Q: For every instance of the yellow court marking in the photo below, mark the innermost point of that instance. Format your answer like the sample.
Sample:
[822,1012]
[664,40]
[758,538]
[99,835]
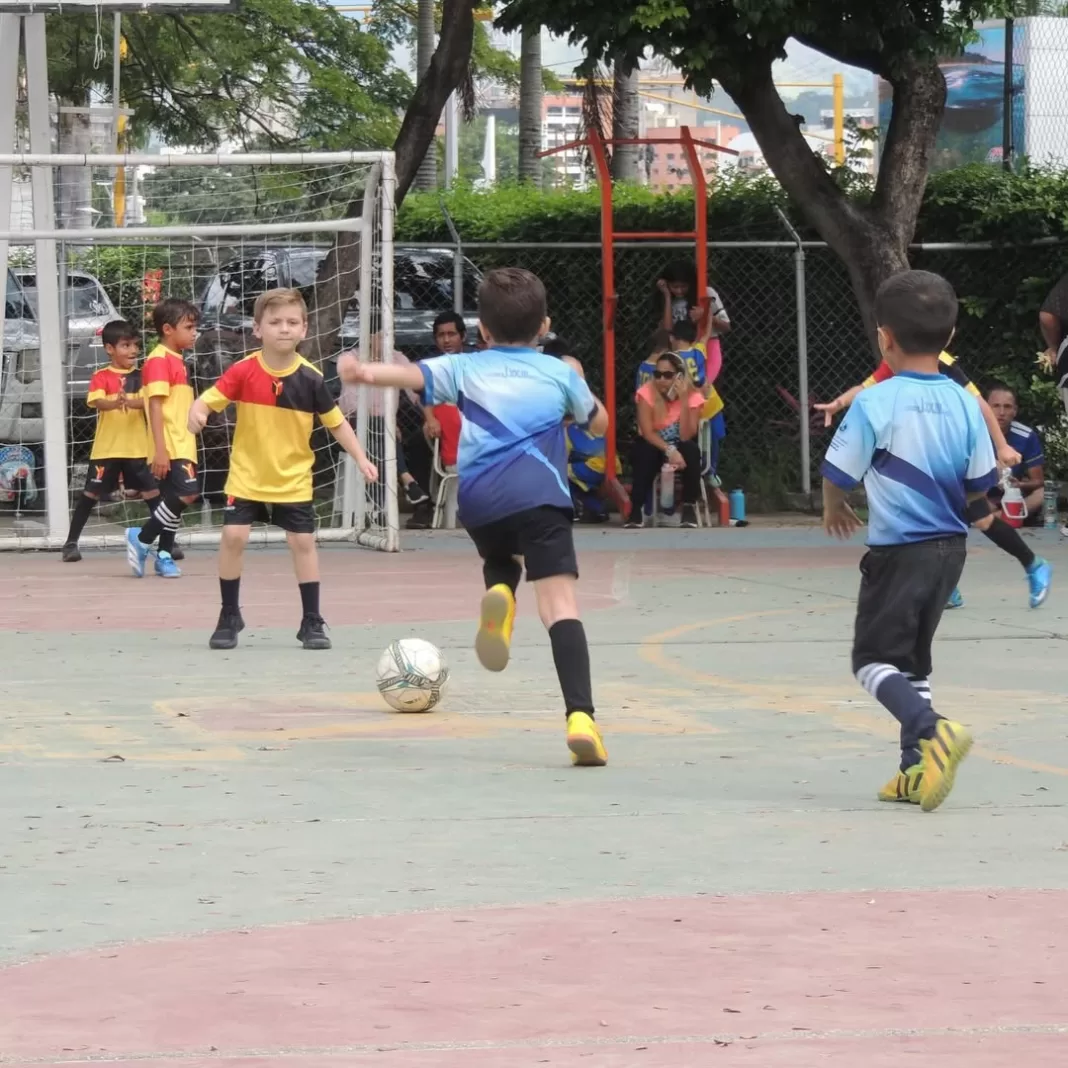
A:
[818,700]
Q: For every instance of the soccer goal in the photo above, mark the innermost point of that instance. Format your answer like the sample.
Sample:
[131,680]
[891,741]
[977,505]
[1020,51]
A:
[217,230]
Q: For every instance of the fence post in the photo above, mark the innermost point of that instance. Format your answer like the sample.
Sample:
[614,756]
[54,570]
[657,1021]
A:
[457,262]
[802,354]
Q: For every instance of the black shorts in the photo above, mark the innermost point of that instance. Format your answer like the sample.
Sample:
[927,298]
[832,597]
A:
[543,536]
[181,480]
[102,478]
[296,518]
[903,592]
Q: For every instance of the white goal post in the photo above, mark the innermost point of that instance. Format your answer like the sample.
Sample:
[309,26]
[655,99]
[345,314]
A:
[217,230]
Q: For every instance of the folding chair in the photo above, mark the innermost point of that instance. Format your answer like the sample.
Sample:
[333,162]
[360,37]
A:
[445,498]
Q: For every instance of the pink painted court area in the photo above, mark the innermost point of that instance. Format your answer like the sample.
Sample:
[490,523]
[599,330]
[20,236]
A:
[245,860]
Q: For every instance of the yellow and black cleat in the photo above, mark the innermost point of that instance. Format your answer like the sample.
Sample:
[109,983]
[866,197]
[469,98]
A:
[904,786]
[493,643]
[942,755]
[584,741]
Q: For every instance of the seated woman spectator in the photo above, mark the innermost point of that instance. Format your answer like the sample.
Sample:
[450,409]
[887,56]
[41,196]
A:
[669,412]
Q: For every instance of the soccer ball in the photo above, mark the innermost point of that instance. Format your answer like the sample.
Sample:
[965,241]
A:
[412,675]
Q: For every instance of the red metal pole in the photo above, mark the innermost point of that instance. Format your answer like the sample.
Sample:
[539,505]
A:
[608,283]
[700,202]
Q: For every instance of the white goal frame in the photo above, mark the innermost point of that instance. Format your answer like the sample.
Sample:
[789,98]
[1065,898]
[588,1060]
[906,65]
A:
[375,227]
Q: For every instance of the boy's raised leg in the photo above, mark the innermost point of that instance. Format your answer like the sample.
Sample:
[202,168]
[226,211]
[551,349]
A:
[231,552]
[496,617]
[312,632]
[558,609]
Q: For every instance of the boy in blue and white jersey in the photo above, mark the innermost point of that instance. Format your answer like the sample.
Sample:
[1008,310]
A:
[920,445]
[513,493]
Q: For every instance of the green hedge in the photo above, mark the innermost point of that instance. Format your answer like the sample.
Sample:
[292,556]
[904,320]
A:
[1000,289]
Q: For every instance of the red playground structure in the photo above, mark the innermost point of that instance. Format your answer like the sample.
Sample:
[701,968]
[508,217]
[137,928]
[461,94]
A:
[597,146]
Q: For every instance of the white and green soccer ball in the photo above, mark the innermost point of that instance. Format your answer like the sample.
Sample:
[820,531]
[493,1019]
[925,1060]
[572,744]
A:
[412,675]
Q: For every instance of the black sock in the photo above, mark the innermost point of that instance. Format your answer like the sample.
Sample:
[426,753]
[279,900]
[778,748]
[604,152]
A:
[166,515]
[230,589]
[895,692]
[82,511]
[309,598]
[1008,539]
[505,571]
[166,540]
[571,655]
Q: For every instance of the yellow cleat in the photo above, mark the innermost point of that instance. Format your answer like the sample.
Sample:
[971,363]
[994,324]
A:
[941,756]
[904,786]
[494,639]
[584,741]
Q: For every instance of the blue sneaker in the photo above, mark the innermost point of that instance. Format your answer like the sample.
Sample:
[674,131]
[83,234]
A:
[166,567]
[1039,576]
[954,600]
[136,552]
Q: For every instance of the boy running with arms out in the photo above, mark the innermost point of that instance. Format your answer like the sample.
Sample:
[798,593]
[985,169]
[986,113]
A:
[278,395]
[120,442]
[989,523]
[513,492]
[172,449]
[919,444]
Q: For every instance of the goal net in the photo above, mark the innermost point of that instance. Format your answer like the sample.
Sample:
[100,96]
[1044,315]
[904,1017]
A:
[216,230]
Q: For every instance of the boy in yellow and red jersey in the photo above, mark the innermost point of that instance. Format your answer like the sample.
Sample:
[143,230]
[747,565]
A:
[278,395]
[172,449]
[1039,572]
[120,443]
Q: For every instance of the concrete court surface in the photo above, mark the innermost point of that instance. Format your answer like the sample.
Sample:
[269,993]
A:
[244,860]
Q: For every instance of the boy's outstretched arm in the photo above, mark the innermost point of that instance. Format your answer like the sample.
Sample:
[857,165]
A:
[839,404]
[598,424]
[345,436]
[198,415]
[381,375]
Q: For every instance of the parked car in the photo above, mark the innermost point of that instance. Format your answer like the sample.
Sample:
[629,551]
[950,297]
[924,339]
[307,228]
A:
[20,371]
[423,288]
[89,308]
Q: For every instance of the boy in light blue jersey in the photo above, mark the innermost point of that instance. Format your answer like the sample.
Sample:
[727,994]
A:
[513,494]
[921,447]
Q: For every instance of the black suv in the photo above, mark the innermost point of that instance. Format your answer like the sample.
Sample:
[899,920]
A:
[422,289]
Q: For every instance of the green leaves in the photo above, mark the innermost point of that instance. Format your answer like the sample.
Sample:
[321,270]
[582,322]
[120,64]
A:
[280,72]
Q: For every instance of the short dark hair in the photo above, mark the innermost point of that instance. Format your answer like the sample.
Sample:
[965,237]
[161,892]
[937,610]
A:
[118,330]
[920,309]
[455,318]
[1000,387]
[512,305]
[171,311]
[684,330]
[659,342]
[555,345]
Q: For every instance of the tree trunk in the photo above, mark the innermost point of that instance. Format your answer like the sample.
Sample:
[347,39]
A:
[626,122]
[339,272]
[75,193]
[873,241]
[530,94]
[426,181]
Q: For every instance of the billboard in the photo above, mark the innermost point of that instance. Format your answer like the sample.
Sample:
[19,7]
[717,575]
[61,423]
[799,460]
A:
[972,126]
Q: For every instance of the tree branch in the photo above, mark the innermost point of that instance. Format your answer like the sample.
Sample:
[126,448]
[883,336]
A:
[919,103]
[791,159]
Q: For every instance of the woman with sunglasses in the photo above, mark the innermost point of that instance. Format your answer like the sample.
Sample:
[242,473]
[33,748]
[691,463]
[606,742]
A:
[669,411]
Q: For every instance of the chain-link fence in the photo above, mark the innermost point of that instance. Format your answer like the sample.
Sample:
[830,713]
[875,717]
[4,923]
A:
[1001,290]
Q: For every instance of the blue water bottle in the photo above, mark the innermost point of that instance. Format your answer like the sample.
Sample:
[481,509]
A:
[737,502]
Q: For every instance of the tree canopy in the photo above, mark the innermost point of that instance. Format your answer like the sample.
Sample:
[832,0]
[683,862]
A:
[735,42]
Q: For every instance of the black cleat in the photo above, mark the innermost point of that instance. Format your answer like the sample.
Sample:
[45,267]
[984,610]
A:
[230,625]
[689,517]
[312,633]
[71,554]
